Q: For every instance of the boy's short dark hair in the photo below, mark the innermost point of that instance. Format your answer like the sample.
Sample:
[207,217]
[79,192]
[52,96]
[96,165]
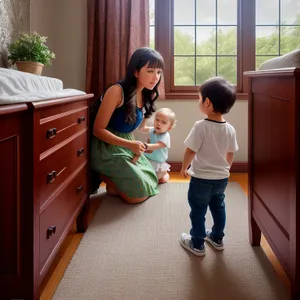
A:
[220,92]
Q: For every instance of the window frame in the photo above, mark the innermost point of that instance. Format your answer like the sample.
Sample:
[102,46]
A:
[164,43]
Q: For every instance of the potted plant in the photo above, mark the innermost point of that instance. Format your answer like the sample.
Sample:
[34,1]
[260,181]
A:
[30,53]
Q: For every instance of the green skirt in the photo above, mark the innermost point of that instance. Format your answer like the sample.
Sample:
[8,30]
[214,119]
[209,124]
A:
[135,180]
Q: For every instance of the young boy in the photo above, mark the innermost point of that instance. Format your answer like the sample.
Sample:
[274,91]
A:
[210,150]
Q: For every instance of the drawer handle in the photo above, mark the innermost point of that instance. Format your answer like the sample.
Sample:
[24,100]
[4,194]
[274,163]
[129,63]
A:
[51,176]
[80,120]
[51,133]
[79,189]
[50,231]
[80,151]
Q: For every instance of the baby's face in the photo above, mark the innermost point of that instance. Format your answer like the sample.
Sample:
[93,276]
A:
[162,123]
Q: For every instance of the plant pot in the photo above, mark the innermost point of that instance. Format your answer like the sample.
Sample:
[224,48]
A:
[30,67]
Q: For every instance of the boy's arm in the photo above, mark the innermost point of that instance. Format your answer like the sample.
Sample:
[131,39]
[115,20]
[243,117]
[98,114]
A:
[143,128]
[187,159]
[229,157]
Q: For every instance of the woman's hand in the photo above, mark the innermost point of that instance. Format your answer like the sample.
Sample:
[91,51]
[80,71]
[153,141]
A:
[137,147]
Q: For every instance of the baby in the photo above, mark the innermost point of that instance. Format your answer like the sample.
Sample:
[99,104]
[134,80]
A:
[159,142]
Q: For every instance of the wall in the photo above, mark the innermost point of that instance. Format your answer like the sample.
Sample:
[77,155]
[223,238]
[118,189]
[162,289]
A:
[42,19]
[14,19]
[70,42]
[64,23]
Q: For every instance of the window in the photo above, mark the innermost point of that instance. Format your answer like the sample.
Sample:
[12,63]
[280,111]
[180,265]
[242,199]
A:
[152,23]
[204,40]
[226,38]
[277,28]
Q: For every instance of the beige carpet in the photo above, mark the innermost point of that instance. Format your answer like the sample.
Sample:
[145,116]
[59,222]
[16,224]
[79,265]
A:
[132,252]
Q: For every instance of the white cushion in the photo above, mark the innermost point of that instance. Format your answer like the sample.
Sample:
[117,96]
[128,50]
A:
[289,60]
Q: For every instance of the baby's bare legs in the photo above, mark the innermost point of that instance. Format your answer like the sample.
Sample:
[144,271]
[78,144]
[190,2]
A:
[163,176]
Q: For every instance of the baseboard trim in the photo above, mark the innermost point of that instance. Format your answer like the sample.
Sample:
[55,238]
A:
[237,167]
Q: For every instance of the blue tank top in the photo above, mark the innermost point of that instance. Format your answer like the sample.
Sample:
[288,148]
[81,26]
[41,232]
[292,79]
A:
[117,120]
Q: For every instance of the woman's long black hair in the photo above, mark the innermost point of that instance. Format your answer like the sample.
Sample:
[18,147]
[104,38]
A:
[138,60]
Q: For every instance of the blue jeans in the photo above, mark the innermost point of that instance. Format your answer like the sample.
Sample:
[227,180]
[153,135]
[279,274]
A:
[204,193]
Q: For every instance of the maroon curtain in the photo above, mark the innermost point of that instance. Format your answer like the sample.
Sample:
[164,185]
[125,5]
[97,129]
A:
[115,29]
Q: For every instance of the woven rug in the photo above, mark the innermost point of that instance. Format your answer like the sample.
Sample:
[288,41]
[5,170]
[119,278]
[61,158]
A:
[132,252]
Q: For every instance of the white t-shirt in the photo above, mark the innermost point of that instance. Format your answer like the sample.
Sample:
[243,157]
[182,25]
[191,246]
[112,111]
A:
[211,141]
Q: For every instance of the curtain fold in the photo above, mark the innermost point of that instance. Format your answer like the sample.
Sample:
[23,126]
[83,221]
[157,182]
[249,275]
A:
[115,29]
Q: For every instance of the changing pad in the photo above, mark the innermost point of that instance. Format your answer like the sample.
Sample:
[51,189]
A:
[17,87]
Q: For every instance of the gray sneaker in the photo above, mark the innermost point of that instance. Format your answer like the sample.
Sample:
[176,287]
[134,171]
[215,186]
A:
[186,242]
[217,244]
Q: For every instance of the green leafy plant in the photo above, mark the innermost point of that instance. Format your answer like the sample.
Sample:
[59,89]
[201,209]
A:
[30,47]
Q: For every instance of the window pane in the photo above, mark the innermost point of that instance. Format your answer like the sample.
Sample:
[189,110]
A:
[267,12]
[206,12]
[206,40]
[184,40]
[261,59]
[152,37]
[290,12]
[184,12]
[152,12]
[205,68]
[227,68]
[267,40]
[289,38]
[184,71]
[227,12]
[227,40]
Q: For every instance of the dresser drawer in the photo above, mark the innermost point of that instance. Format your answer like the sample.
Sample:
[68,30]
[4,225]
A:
[57,216]
[56,128]
[55,168]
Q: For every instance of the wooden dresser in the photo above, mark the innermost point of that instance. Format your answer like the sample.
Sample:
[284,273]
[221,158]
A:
[274,166]
[44,186]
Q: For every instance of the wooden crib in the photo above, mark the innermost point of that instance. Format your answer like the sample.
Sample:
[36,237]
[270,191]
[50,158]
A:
[274,166]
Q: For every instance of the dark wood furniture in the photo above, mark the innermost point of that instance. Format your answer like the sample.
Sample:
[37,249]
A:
[44,186]
[274,166]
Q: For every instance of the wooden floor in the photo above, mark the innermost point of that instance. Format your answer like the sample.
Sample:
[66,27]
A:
[73,240]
